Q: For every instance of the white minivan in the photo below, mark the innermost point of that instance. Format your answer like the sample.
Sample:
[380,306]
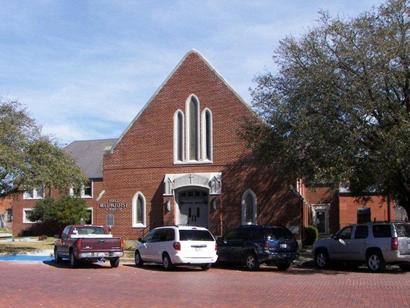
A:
[177,245]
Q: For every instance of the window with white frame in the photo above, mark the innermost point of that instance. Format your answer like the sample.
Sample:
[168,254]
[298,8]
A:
[27,216]
[138,211]
[206,120]
[86,191]
[193,133]
[249,208]
[35,193]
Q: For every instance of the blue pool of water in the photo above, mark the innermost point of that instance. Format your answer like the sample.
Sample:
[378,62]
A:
[26,258]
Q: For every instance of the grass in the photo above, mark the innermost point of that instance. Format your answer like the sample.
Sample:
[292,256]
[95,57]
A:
[4,230]
[18,247]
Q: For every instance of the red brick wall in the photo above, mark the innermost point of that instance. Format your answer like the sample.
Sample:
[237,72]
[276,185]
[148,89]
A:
[145,154]
[349,205]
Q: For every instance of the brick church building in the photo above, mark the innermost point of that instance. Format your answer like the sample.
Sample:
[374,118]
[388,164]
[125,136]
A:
[182,161]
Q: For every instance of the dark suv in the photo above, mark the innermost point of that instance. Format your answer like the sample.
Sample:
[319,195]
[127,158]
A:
[253,245]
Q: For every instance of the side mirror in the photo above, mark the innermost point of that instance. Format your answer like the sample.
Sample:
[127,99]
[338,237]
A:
[141,240]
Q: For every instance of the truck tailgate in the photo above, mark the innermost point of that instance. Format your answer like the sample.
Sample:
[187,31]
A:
[100,244]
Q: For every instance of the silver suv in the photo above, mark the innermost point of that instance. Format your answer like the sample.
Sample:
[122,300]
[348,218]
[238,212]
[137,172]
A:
[376,244]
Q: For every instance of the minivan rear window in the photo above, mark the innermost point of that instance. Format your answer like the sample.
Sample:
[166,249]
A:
[381,231]
[278,234]
[195,235]
[403,230]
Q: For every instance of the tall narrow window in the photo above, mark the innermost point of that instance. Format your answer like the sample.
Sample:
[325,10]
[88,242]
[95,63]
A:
[206,126]
[193,129]
[178,136]
[138,210]
[249,208]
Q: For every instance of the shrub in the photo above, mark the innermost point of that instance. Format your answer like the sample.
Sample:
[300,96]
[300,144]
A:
[311,235]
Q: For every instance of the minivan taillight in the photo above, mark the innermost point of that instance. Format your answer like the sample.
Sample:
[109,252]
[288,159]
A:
[394,243]
[266,246]
[78,244]
[177,245]
[216,247]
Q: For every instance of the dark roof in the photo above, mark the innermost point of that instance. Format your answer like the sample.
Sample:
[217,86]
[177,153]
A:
[88,154]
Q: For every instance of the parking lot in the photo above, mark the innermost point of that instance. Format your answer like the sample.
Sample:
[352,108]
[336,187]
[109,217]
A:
[45,284]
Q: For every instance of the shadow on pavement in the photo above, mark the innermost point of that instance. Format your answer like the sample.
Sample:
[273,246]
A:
[66,264]
[159,268]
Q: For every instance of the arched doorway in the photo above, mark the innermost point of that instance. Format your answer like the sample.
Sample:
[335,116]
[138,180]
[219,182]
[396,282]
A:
[193,207]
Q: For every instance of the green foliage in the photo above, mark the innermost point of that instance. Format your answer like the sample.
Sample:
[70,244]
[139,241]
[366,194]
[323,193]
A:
[28,159]
[61,212]
[311,235]
[338,108]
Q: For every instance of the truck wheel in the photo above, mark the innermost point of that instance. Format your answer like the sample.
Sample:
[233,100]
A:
[138,260]
[73,260]
[57,258]
[166,262]
[283,266]
[375,261]
[115,262]
[251,262]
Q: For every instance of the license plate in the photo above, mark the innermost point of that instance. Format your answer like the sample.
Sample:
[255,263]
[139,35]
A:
[283,246]
[199,249]
[101,254]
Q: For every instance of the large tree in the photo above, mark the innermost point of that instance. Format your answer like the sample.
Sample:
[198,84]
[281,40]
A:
[337,106]
[28,159]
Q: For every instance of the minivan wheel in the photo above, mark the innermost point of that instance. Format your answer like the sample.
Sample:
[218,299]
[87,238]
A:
[251,262]
[166,262]
[206,267]
[321,259]
[375,262]
[138,259]
[283,266]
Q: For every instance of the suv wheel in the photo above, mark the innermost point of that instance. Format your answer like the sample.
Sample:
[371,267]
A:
[251,262]
[138,259]
[375,261]
[166,262]
[321,259]
[283,266]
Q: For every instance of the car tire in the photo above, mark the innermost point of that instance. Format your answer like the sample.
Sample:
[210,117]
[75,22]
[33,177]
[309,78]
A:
[206,267]
[283,266]
[73,260]
[57,258]
[115,262]
[322,260]
[166,262]
[375,261]
[138,260]
[251,262]
[405,267]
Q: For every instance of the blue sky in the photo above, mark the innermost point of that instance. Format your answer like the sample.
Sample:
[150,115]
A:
[84,69]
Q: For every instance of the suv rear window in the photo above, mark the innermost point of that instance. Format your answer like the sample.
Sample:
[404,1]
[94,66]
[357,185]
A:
[381,231]
[403,230]
[278,233]
[195,235]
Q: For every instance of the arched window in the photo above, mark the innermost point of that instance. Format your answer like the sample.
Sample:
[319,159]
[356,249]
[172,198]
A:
[193,128]
[138,211]
[178,136]
[249,208]
[206,121]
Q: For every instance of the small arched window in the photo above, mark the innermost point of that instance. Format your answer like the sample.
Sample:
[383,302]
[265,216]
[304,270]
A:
[193,128]
[206,121]
[138,211]
[249,208]
[178,136]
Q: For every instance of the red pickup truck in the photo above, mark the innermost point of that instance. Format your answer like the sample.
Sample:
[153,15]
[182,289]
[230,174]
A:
[90,243]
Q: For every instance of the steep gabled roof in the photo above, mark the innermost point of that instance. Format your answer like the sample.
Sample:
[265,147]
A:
[210,66]
[88,155]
